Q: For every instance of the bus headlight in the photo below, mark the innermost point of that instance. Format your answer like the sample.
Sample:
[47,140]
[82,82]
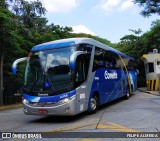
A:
[65,100]
[25,101]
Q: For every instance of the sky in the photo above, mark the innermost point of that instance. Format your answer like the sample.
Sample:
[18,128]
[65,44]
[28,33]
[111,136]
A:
[109,19]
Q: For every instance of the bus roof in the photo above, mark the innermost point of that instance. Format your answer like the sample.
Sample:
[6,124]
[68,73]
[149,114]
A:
[72,42]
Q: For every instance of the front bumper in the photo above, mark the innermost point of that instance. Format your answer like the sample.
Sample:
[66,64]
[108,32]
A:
[65,109]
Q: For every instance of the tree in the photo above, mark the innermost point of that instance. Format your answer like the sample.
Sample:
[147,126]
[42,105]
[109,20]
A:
[14,27]
[128,43]
[8,35]
[29,13]
[102,40]
[3,20]
[22,26]
[135,45]
[151,39]
[150,7]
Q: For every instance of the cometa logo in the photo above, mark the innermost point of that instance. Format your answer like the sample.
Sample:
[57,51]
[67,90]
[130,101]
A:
[112,75]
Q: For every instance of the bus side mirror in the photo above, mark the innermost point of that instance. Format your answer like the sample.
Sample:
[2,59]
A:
[72,60]
[14,66]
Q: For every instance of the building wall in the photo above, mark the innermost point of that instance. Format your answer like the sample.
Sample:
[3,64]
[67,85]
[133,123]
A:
[152,78]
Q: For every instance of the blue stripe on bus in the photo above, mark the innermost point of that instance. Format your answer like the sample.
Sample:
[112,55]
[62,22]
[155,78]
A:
[109,89]
[133,79]
[55,98]
[52,45]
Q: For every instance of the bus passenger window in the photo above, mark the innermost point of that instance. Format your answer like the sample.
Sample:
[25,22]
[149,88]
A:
[85,47]
[110,60]
[131,64]
[98,59]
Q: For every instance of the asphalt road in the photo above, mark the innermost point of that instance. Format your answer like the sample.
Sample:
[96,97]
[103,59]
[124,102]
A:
[141,113]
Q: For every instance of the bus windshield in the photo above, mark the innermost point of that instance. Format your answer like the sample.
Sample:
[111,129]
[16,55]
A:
[49,71]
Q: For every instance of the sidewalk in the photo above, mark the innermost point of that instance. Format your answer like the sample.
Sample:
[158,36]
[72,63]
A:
[7,107]
[144,89]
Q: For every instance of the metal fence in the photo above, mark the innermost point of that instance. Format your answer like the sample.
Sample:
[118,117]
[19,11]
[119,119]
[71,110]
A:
[12,99]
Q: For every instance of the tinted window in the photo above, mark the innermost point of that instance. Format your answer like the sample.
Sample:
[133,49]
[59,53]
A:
[80,69]
[85,47]
[112,60]
[98,58]
[131,65]
[82,66]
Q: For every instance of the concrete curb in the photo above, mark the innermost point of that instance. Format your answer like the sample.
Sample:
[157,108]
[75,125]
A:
[148,92]
[7,107]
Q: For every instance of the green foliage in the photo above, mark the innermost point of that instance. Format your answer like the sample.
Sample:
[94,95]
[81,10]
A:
[20,29]
[150,7]
[135,45]
[102,40]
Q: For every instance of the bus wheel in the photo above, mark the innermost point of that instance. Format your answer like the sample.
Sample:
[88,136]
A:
[128,94]
[94,104]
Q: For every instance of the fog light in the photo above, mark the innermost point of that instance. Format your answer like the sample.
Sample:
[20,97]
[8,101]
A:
[25,110]
[67,109]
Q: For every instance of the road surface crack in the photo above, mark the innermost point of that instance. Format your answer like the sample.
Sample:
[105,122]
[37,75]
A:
[100,120]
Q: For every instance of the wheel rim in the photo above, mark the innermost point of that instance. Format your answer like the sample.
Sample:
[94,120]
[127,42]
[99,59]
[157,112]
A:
[93,104]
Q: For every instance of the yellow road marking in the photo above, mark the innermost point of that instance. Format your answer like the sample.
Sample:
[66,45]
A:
[81,125]
[110,126]
[122,129]
[73,126]
[88,140]
[115,126]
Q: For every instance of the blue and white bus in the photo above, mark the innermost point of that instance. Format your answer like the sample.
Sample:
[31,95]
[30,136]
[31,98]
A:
[70,76]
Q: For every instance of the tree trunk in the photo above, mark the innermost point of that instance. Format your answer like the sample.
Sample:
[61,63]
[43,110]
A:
[1,78]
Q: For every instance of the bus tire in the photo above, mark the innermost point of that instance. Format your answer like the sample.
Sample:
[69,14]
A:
[128,94]
[94,104]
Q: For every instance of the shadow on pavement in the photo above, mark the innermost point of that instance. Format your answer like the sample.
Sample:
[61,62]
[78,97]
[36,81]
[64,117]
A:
[66,119]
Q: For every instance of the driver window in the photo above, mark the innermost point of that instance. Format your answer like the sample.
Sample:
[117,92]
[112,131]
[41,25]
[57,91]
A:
[82,67]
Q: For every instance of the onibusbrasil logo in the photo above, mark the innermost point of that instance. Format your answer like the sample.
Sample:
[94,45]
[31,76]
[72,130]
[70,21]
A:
[112,75]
